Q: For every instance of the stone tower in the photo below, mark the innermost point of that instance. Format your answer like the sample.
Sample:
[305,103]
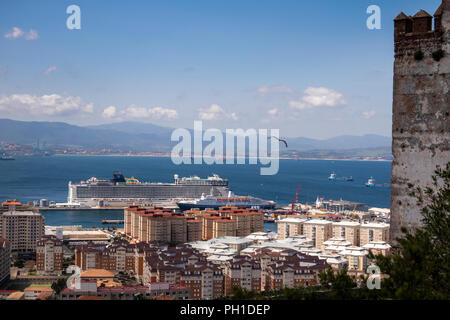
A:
[421,107]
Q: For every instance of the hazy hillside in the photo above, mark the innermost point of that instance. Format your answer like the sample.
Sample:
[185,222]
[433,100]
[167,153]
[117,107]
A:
[142,137]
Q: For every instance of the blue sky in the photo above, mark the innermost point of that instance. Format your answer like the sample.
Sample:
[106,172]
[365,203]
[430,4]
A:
[310,68]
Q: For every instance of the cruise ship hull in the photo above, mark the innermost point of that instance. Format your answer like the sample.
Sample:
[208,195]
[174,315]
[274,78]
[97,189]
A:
[189,206]
[106,194]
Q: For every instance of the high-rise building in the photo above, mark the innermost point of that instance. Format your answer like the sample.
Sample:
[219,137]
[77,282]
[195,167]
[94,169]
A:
[23,229]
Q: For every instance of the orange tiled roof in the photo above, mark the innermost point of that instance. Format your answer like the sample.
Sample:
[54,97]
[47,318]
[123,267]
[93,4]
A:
[97,273]
[11,203]
[89,298]
[41,289]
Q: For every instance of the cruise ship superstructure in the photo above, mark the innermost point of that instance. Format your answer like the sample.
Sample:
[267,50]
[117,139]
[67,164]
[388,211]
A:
[121,191]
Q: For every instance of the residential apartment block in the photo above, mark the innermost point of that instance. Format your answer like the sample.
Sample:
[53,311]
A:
[374,232]
[347,230]
[23,229]
[318,231]
[242,272]
[289,227]
[49,256]
[163,225]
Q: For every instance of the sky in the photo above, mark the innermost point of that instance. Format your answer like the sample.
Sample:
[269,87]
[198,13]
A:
[309,68]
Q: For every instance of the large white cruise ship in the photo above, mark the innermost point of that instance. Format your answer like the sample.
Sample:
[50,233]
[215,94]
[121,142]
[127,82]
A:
[122,192]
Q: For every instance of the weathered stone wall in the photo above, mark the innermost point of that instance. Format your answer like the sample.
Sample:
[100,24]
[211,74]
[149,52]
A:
[421,108]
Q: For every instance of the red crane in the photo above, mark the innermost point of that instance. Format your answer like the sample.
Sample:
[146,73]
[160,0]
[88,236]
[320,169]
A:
[294,201]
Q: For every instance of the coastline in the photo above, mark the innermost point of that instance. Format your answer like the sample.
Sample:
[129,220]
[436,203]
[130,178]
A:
[168,156]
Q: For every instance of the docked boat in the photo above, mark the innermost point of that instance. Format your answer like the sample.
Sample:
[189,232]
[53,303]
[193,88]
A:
[6,157]
[333,177]
[212,202]
[371,184]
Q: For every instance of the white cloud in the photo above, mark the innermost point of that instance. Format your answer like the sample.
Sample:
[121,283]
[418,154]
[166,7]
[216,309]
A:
[50,70]
[16,33]
[369,114]
[109,112]
[274,89]
[135,112]
[31,35]
[215,112]
[318,97]
[49,105]
[272,112]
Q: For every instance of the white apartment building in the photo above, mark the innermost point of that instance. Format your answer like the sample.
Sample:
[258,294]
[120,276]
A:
[318,231]
[348,230]
[289,227]
[370,232]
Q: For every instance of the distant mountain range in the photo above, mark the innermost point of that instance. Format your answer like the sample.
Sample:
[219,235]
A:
[144,137]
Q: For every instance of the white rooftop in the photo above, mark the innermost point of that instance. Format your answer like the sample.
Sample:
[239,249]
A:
[346,224]
[380,245]
[318,221]
[292,220]
[374,225]
[21,213]
[354,251]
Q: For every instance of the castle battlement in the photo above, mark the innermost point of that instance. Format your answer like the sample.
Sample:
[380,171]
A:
[420,111]
[414,33]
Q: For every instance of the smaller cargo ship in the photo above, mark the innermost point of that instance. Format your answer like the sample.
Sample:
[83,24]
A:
[212,202]
[333,177]
[371,184]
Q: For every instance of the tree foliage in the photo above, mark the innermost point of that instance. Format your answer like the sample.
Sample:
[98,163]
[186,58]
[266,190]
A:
[419,267]
[58,285]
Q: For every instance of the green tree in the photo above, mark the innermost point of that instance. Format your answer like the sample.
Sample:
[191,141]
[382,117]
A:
[337,283]
[419,267]
[19,263]
[59,285]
